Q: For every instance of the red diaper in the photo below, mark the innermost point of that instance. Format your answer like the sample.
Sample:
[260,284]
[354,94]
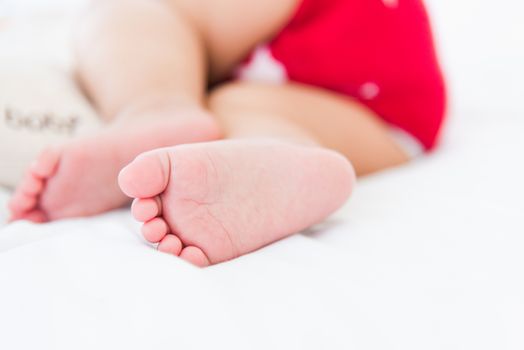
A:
[380,52]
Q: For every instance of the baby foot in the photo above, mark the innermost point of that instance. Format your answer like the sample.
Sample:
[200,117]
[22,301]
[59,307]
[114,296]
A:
[80,178]
[24,203]
[212,202]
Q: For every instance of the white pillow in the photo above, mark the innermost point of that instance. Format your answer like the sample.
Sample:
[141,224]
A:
[40,105]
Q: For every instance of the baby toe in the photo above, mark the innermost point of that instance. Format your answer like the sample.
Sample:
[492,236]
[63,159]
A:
[144,210]
[21,202]
[31,185]
[195,256]
[147,176]
[37,216]
[154,230]
[171,244]
[46,163]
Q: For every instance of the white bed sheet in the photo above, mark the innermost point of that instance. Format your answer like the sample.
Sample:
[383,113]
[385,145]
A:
[427,256]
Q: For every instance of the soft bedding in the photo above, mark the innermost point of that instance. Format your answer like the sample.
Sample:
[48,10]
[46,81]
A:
[427,256]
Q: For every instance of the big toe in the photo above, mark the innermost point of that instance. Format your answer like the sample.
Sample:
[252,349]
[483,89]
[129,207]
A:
[146,176]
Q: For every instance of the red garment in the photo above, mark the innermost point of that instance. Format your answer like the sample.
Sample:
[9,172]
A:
[380,52]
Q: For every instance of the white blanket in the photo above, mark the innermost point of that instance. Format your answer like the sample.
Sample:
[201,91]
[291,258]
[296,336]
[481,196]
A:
[429,256]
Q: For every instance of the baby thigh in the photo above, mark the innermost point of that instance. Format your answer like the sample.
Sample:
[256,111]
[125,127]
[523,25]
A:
[231,29]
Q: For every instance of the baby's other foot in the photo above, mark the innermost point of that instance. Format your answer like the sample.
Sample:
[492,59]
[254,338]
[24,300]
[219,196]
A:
[212,202]
[24,204]
[80,178]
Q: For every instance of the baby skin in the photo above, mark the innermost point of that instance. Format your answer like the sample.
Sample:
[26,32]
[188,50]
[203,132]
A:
[80,178]
[287,155]
[212,202]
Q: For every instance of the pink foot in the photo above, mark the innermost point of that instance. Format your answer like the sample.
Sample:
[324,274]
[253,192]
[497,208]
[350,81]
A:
[24,204]
[80,178]
[212,202]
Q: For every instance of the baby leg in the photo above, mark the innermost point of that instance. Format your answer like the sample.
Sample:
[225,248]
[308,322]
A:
[145,64]
[276,175]
[315,115]
[120,40]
